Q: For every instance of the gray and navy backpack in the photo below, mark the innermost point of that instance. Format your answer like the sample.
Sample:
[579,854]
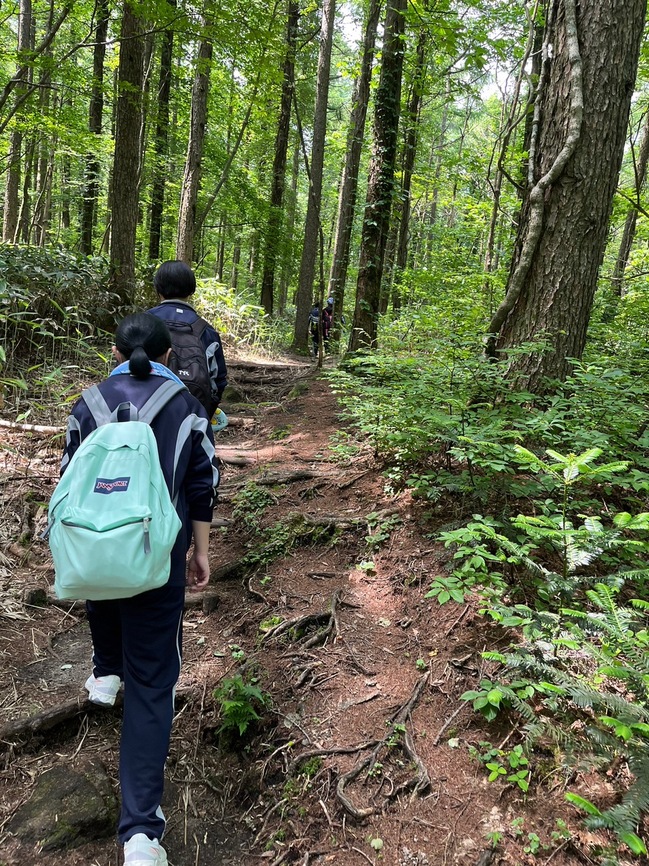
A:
[188,359]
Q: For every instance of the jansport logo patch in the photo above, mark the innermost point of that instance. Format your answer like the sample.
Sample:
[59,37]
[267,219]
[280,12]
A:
[112,485]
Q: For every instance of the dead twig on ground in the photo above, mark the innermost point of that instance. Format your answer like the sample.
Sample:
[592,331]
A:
[457,621]
[447,723]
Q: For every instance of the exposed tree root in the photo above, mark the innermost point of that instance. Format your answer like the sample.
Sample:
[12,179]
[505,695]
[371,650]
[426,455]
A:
[419,784]
[326,623]
[323,753]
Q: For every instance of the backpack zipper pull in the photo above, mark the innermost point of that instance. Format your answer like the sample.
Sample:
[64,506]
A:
[45,533]
[147,540]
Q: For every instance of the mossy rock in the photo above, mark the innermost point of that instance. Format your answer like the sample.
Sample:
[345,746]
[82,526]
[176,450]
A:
[68,807]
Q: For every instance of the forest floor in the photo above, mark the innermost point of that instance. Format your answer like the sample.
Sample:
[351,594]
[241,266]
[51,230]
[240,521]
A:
[362,753]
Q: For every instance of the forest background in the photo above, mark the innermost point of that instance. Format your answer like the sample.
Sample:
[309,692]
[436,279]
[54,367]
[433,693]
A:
[466,181]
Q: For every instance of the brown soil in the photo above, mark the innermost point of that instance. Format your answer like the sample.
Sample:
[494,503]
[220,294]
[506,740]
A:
[362,754]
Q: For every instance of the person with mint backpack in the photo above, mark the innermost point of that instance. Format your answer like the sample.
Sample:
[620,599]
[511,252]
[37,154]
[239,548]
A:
[137,641]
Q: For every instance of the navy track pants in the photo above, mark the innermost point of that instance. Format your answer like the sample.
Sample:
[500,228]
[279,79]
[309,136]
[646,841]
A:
[140,640]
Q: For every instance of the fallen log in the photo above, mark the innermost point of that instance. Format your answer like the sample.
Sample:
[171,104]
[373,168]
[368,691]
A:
[44,429]
[54,716]
[207,598]
[50,430]
[266,365]
[46,720]
[271,477]
[221,521]
[234,457]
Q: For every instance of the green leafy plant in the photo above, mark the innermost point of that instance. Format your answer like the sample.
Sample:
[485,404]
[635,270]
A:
[511,766]
[250,503]
[486,700]
[382,529]
[239,702]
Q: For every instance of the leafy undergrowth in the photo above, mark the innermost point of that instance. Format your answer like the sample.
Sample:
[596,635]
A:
[372,678]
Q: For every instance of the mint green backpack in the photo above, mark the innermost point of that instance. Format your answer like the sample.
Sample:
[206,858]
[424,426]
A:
[112,523]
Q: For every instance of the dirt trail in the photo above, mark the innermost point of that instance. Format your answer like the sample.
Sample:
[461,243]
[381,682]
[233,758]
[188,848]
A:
[361,755]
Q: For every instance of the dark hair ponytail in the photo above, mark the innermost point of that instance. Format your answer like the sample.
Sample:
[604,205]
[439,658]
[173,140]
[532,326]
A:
[142,338]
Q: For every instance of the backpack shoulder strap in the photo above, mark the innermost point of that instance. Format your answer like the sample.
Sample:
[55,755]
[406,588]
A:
[101,413]
[159,399]
[199,326]
[94,400]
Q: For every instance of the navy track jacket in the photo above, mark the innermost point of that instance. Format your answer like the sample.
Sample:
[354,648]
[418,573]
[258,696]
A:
[176,310]
[185,445]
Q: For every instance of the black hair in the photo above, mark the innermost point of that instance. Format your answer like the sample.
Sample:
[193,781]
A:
[141,338]
[174,279]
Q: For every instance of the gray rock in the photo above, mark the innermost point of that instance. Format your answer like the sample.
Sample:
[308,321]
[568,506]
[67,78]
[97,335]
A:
[67,808]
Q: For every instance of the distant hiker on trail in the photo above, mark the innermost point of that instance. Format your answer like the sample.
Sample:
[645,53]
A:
[137,640]
[314,327]
[197,356]
[327,322]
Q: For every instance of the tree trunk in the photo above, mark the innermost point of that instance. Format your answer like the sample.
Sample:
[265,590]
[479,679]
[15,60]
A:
[29,172]
[236,260]
[220,255]
[349,183]
[510,120]
[273,233]
[95,118]
[161,142]
[380,190]
[193,161]
[409,154]
[288,258]
[577,145]
[12,180]
[430,213]
[126,168]
[628,233]
[313,225]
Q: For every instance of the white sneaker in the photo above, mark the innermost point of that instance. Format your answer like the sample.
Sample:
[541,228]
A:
[142,851]
[103,690]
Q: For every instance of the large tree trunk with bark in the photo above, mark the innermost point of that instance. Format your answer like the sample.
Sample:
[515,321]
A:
[376,219]
[349,183]
[194,159]
[579,130]
[274,235]
[313,226]
[126,163]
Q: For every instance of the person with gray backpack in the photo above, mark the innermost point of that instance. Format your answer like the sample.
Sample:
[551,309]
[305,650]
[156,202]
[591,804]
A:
[197,352]
[139,479]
